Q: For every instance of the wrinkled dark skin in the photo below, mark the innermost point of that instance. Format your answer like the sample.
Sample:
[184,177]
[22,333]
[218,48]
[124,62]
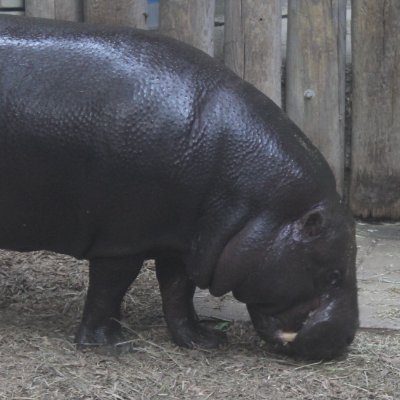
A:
[118,145]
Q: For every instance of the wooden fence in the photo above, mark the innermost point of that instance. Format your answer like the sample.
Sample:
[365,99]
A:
[369,178]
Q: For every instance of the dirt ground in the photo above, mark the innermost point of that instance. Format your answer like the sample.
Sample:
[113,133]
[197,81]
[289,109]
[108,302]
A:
[41,299]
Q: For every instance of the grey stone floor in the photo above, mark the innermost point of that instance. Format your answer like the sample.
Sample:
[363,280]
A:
[378,273]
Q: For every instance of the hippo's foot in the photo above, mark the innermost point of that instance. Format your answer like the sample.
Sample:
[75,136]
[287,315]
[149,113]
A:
[192,334]
[100,335]
[107,339]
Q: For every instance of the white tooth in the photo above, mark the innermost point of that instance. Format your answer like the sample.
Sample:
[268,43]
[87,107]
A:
[287,337]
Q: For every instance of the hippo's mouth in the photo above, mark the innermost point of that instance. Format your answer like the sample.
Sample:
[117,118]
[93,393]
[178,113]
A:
[281,328]
[311,329]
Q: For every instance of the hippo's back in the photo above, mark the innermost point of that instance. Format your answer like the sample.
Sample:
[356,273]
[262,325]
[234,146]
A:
[116,77]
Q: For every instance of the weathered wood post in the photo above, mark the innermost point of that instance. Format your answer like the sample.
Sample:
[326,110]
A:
[252,43]
[71,10]
[191,21]
[375,176]
[315,85]
[122,12]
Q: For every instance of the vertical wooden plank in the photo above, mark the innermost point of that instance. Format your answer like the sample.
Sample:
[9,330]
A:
[191,21]
[40,8]
[316,76]
[252,47]
[375,178]
[71,10]
[122,12]
[219,29]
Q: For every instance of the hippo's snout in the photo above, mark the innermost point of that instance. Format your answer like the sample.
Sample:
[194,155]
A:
[324,341]
[308,331]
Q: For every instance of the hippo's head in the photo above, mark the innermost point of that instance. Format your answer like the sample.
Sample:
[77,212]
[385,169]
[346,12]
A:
[297,278]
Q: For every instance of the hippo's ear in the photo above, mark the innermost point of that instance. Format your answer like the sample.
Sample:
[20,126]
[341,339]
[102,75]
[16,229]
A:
[309,226]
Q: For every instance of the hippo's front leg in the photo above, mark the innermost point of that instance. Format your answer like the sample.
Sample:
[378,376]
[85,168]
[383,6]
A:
[177,292]
[109,279]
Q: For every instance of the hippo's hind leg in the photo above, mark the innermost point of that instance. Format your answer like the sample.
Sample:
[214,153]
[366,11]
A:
[109,279]
[177,292]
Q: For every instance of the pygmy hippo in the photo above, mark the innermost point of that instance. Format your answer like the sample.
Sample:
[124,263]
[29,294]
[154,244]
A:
[118,145]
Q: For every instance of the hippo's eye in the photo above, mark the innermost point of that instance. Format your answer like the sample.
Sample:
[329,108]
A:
[334,277]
